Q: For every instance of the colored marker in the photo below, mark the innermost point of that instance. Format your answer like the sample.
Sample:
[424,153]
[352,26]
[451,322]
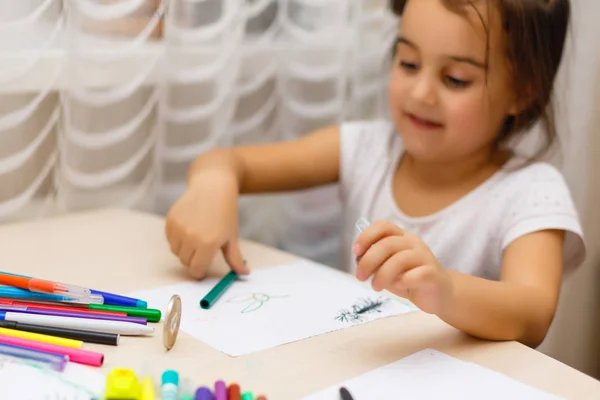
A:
[118,300]
[247,396]
[261,397]
[59,341]
[42,285]
[123,328]
[216,292]
[185,390]
[151,314]
[18,293]
[345,394]
[111,298]
[55,361]
[147,389]
[203,393]
[169,388]
[57,313]
[60,307]
[75,334]
[75,355]
[234,392]
[121,384]
[220,390]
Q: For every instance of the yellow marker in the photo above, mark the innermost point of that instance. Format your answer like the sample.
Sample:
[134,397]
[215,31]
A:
[122,383]
[147,389]
[42,338]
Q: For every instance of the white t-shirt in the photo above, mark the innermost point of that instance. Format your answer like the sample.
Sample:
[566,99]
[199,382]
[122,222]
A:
[469,235]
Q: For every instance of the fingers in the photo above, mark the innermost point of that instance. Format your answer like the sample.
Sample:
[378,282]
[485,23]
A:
[233,257]
[414,278]
[394,268]
[372,234]
[377,254]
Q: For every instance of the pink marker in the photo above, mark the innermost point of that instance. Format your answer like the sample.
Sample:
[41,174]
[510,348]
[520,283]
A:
[220,390]
[76,355]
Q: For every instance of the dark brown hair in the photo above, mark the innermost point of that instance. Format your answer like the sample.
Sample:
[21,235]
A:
[535,32]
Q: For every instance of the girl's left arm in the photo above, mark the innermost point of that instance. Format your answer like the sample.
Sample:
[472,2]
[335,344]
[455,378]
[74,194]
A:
[521,305]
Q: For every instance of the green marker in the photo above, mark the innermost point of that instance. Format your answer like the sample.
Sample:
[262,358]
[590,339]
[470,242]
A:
[151,314]
[247,396]
[216,292]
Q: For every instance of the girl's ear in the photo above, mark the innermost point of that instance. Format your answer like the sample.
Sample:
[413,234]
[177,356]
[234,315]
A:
[522,101]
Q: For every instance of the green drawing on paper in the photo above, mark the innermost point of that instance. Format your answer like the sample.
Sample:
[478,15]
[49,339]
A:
[256,301]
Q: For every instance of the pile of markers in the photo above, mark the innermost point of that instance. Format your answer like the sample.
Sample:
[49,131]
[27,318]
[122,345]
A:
[49,321]
[122,383]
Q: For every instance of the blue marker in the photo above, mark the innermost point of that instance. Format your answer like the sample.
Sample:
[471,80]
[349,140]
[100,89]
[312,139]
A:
[169,388]
[18,293]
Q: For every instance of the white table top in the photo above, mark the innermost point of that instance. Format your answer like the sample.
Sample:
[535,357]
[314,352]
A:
[123,251]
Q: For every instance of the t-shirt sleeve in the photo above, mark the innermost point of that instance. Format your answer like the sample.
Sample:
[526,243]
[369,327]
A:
[364,147]
[542,202]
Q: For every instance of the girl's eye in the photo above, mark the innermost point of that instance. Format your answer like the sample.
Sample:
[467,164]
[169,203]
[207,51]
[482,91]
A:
[408,66]
[457,83]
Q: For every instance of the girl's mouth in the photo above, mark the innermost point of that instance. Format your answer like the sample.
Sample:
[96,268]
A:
[424,123]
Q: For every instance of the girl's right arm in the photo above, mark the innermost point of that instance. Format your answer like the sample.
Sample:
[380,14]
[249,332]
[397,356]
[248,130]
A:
[204,219]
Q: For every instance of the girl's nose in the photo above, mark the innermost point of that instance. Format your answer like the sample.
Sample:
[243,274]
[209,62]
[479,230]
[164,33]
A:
[424,90]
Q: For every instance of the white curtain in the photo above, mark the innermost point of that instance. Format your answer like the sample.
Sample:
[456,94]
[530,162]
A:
[105,102]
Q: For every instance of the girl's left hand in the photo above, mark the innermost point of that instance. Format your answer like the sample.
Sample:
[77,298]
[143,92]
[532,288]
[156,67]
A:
[402,264]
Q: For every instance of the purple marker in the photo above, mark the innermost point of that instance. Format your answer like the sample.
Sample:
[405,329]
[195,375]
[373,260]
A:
[74,314]
[220,390]
[203,393]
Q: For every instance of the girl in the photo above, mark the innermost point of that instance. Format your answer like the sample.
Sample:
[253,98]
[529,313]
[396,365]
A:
[465,228]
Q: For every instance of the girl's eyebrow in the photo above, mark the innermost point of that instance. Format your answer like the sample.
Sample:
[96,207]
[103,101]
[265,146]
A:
[467,60]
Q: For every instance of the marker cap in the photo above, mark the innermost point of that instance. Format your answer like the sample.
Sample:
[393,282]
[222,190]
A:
[170,376]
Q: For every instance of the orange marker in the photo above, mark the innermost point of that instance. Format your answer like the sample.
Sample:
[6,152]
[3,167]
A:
[234,392]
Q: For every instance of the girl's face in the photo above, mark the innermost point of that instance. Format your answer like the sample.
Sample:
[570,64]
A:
[440,101]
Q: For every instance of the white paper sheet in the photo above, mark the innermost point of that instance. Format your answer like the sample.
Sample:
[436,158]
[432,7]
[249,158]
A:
[430,374]
[275,305]
[27,380]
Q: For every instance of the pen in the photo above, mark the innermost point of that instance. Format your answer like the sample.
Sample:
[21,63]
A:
[75,355]
[75,334]
[362,224]
[147,386]
[203,393]
[109,298]
[42,285]
[18,293]
[345,394]
[118,300]
[47,306]
[216,292]
[123,328]
[151,314]
[59,313]
[55,361]
[76,344]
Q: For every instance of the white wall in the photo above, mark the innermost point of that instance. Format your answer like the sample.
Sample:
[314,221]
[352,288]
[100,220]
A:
[575,336]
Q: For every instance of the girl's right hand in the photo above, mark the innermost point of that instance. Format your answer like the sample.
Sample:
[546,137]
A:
[203,220]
